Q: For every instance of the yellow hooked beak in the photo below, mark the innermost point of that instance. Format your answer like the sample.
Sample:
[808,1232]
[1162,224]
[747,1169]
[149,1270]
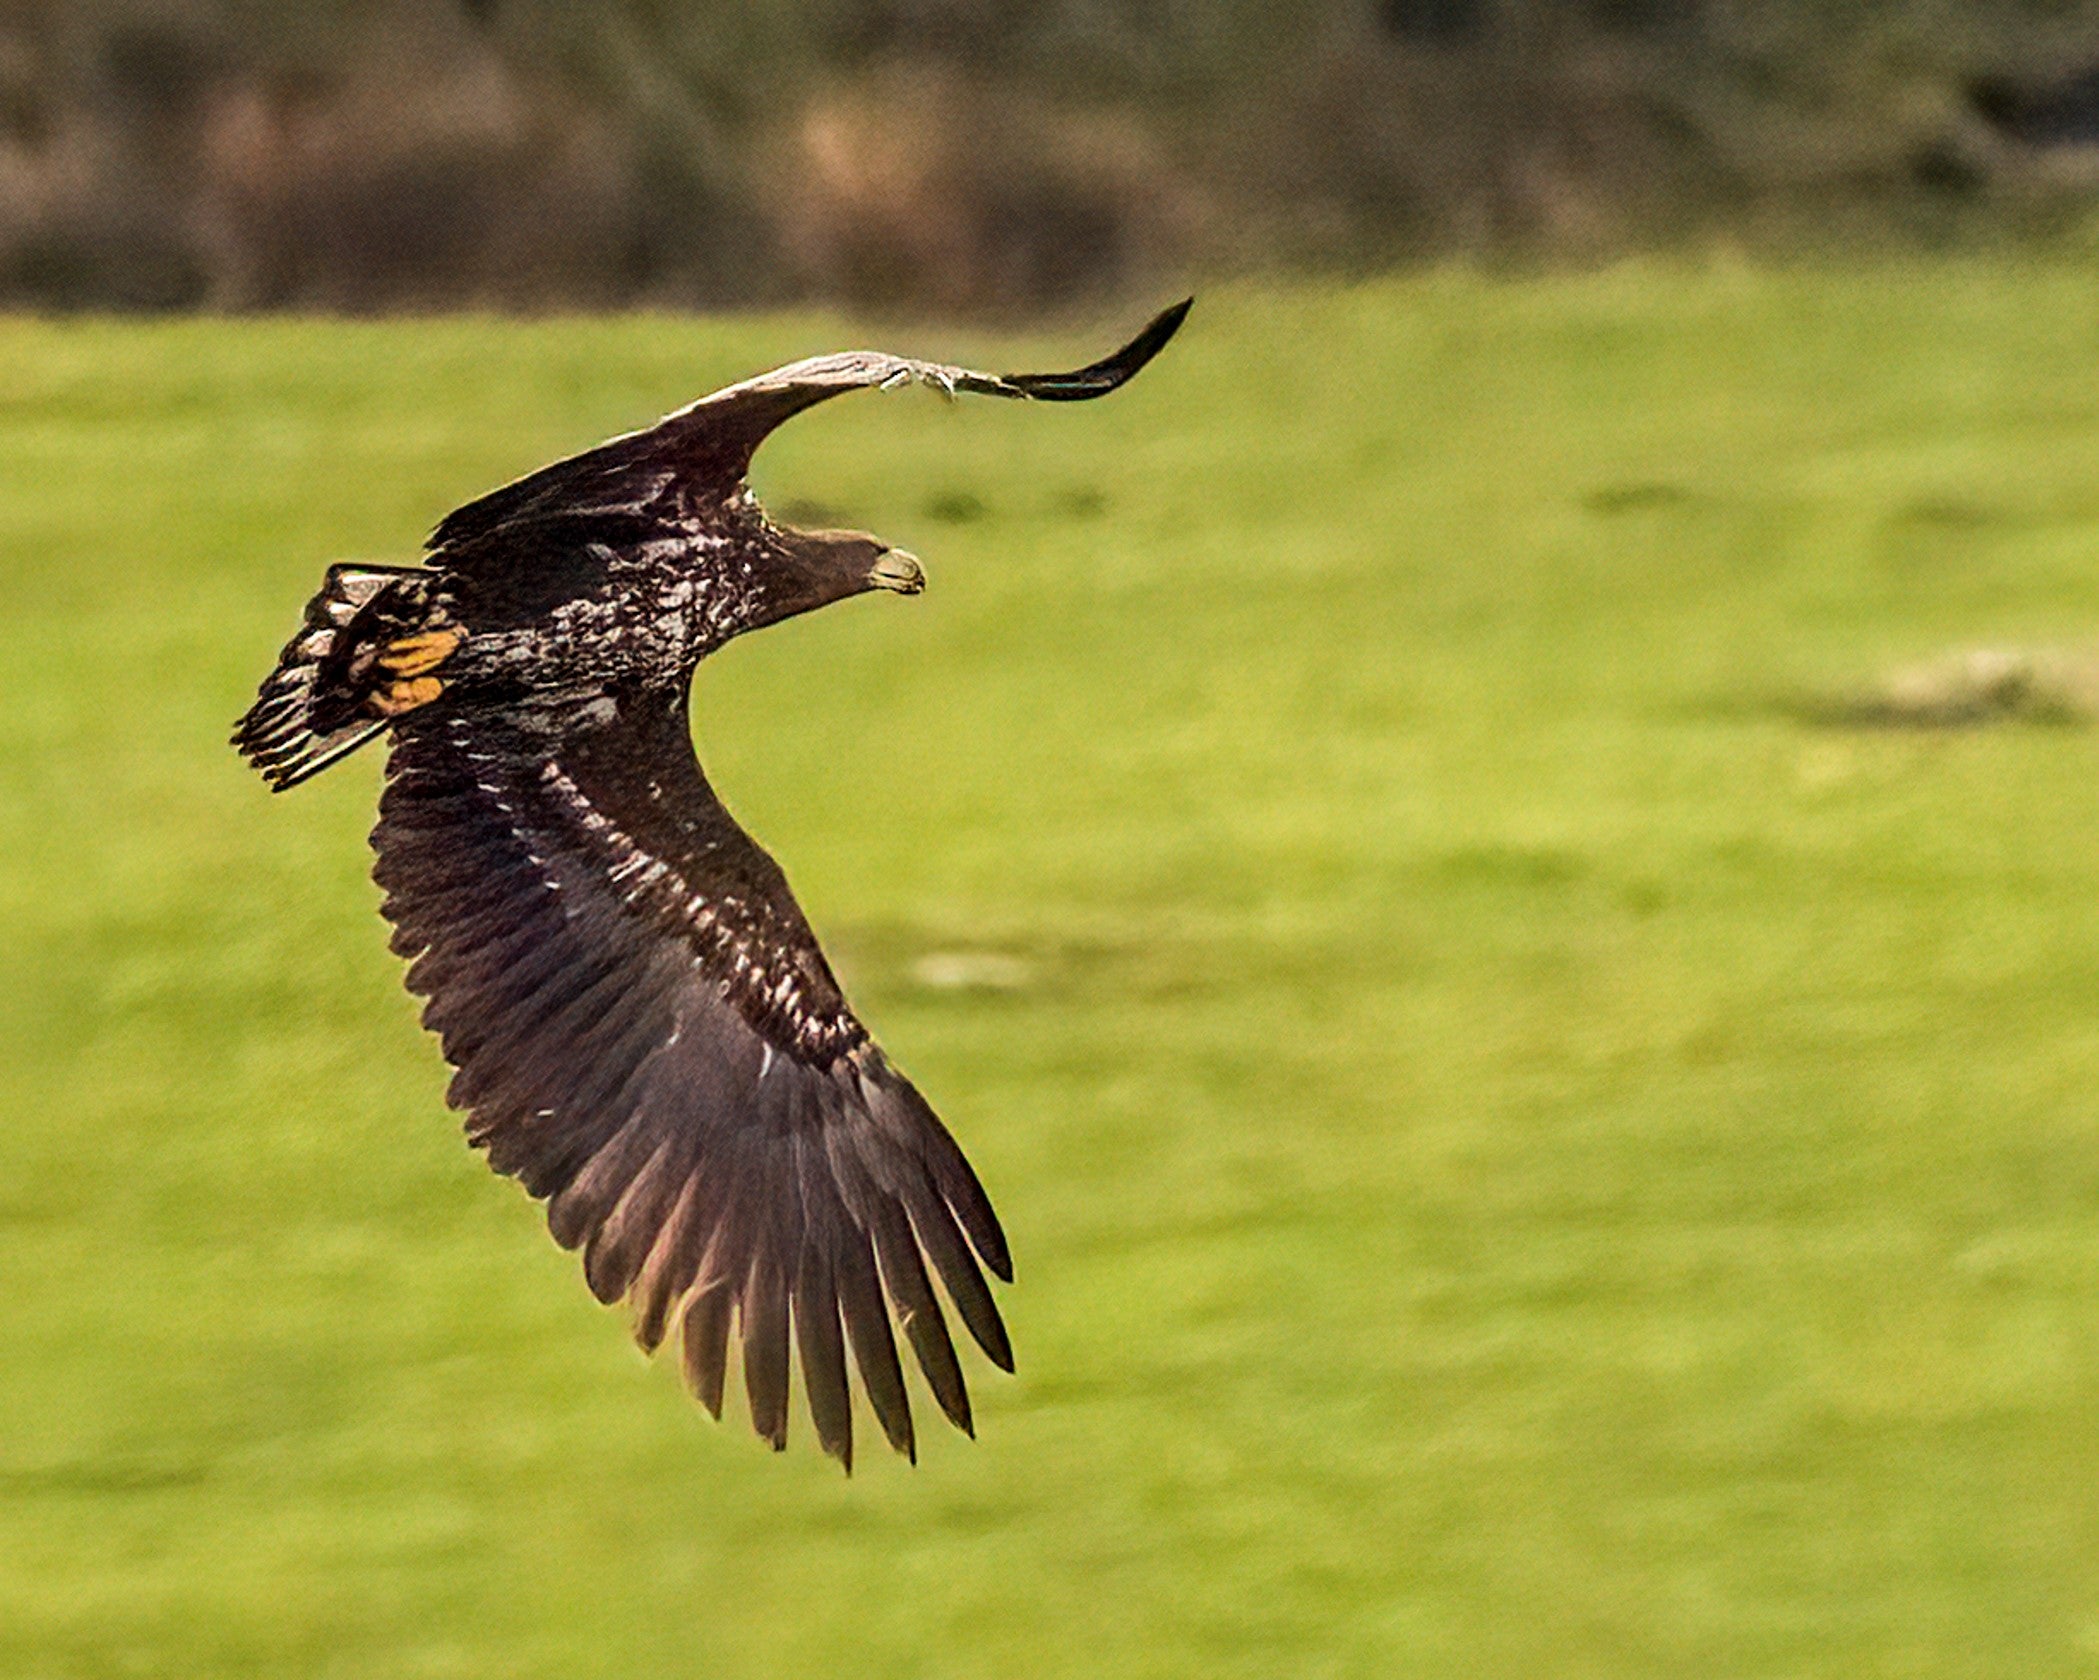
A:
[899,571]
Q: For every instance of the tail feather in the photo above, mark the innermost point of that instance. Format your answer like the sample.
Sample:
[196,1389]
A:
[305,718]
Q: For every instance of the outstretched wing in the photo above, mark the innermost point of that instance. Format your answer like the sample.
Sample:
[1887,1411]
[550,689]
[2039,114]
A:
[742,416]
[648,1038]
[712,441]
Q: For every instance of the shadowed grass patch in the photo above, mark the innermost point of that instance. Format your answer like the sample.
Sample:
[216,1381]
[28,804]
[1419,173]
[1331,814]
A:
[2049,687]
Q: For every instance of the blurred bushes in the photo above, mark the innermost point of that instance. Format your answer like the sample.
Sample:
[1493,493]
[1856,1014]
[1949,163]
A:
[972,155]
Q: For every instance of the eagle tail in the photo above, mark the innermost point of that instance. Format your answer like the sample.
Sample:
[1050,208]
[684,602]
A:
[361,658]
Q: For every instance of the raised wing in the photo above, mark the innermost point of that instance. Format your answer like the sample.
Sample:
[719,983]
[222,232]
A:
[711,442]
[648,1038]
[744,414]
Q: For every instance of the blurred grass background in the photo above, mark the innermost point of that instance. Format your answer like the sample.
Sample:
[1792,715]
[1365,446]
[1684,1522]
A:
[1528,1153]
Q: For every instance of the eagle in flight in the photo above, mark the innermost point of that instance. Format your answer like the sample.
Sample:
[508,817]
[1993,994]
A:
[643,1029]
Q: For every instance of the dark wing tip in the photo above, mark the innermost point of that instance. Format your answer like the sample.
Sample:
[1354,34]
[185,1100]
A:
[1111,371]
[989,1240]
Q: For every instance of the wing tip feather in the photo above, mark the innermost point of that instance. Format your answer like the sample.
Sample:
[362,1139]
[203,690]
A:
[1112,371]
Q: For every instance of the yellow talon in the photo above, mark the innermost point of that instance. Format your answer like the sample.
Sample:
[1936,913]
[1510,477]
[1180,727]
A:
[405,696]
[411,656]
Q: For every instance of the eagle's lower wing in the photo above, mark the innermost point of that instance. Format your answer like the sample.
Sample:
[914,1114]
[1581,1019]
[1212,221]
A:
[710,443]
[648,1038]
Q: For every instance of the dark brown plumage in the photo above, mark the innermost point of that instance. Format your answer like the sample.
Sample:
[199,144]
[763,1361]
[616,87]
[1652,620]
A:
[645,1032]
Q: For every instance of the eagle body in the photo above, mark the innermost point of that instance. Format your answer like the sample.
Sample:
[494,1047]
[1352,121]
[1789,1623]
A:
[643,1028]
[567,609]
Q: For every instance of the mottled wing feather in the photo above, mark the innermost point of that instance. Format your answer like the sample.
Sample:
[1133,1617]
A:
[648,1038]
[710,443]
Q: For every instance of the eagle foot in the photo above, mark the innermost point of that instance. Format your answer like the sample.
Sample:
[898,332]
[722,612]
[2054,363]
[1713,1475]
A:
[405,696]
[411,656]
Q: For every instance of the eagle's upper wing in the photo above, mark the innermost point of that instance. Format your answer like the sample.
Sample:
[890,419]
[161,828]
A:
[712,441]
[742,415]
[647,1036]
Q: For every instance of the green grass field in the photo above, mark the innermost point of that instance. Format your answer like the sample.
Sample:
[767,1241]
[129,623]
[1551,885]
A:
[1527,1155]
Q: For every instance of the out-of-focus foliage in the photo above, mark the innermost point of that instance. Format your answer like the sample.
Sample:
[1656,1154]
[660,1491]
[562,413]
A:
[975,154]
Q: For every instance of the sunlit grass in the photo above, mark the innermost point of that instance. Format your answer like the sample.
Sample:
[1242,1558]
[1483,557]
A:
[1528,1154]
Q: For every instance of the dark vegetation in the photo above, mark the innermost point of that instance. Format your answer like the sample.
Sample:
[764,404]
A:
[965,155]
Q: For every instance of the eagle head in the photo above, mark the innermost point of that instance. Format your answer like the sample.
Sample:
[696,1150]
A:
[804,570]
